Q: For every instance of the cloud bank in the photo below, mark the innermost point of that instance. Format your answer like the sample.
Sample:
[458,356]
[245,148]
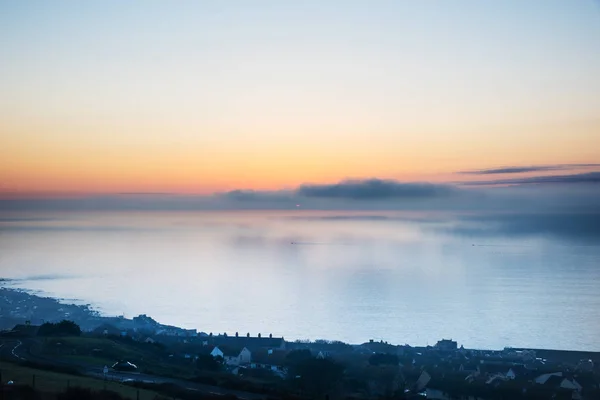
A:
[585,178]
[566,193]
[532,168]
[559,205]
[374,189]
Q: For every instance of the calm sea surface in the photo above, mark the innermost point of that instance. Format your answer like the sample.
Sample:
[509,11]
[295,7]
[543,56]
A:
[402,277]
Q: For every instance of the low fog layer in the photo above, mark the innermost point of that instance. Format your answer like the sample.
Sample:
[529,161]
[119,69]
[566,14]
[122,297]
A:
[562,193]
[565,205]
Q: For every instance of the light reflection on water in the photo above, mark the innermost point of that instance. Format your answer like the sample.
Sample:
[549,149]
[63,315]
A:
[401,277]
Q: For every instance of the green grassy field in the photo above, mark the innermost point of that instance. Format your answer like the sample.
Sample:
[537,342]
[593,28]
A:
[53,382]
[97,352]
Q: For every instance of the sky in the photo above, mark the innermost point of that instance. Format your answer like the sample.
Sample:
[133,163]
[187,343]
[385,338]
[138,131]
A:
[246,97]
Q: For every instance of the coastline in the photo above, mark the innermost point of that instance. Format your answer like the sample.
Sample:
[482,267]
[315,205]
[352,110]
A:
[19,305]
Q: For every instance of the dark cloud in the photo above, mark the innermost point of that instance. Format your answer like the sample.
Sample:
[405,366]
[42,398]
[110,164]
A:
[587,177]
[47,277]
[254,195]
[242,195]
[67,228]
[26,219]
[531,168]
[374,189]
[512,170]
[578,226]
[341,218]
[375,218]
[372,195]
[146,194]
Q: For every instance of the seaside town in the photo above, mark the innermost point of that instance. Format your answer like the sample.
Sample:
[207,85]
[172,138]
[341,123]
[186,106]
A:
[45,332]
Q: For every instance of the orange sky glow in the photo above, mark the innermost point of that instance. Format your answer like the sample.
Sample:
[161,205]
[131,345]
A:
[243,98]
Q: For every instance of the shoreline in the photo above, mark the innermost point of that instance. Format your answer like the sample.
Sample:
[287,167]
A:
[37,308]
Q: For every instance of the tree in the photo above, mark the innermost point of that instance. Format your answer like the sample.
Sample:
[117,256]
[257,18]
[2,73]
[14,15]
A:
[248,334]
[68,328]
[206,362]
[47,329]
[259,335]
[295,358]
[384,359]
[318,376]
[383,380]
[63,328]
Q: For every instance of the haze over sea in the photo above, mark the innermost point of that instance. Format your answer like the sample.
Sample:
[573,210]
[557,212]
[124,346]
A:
[404,277]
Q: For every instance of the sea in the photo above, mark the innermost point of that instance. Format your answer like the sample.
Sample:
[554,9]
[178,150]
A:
[402,277]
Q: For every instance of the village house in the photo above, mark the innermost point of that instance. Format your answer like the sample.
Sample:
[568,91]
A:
[23,330]
[271,360]
[516,371]
[249,342]
[234,357]
[519,354]
[558,380]
[585,365]
[323,354]
[177,332]
[446,345]
[106,329]
[542,379]
[379,347]
[216,352]
[231,356]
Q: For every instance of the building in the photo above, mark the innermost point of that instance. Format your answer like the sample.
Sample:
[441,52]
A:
[233,357]
[250,343]
[380,347]
[271,360]
[542,379]
[106,329]
[585,365]
[216,352]
[520,354]
[556,380]
[323,354]
[446,345]
[22,330]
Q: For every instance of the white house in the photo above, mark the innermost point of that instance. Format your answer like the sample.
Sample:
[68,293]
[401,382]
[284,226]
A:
[216,352]
[542,379]
[235,358]
[565,383]
[517,371]
[571,384]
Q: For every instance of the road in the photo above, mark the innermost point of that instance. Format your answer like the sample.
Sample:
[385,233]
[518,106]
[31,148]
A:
[20,350]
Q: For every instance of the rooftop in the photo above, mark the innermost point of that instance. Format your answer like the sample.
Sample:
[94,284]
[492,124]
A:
[248,342]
